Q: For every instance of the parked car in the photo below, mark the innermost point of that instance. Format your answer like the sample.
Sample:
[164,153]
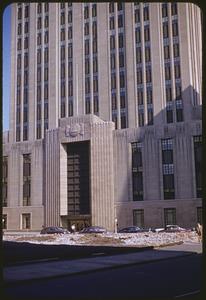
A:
[53,230]
[93,229]
[132,229]
[173,228]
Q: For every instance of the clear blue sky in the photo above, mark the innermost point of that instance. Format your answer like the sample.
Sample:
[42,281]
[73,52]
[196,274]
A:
[6,66]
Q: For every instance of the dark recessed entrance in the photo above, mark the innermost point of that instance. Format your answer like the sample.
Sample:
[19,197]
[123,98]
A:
[78,178]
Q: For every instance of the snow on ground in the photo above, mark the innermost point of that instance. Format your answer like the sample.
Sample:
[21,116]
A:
[115,239]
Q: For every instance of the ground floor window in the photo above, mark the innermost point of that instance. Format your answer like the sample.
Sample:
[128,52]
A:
[26,221]
[138,217]
[170,216]
[4,222]
[199,215]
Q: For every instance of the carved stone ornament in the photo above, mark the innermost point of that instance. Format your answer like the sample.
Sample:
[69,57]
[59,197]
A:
[74,129]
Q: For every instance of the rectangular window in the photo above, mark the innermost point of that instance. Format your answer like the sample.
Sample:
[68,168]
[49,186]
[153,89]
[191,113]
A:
[86,12]
[46,37]
[62,18]
[70,16]
[39,39]
[87,85]
[120,21]
[197,140]
[141,118]
[111,23]
[94,30]
[176,50]
[4,180]
[137,172]
[122,101]
[95,65]
[170,216]
[4,221]
[70,88]
[95,84]
[147,54]
[169,115]
[19,29]
[26,27]
[138,35]
[86,28]
[70,32]
[26,221]
[88,106]
[177,71]
[96,104]
[175,29]
[39,23]
[168,169]
[168,94]
[26,179]
[165,30]
[166,52]
[174,8]
[70,109]
[46,21]
[150,116]
[138,218]
[70,69]
[121,40]
[167,72]
[122,79]
[137,15]
[94,10]
[94,44]
[62,36]
[46,55]
[70,51]
[113,81]
[164,10]
[148,75]
[39,8]
[86,47]
[146,13]
[114,102]
[139,76]
[123,121]
[111,7]
[149,96]
[146,34]
[138,55]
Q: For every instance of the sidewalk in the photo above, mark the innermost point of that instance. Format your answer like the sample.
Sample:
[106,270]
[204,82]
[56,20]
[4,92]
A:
[17,274]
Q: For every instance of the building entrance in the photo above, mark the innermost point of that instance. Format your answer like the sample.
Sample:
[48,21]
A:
[78,178]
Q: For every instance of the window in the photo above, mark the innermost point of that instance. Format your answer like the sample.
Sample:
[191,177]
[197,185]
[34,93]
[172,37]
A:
[137,15]
[46,55]
[138,55]
[26,43]
[119,6]
[169,115]
[179,112]
[167,72]
[46,21]
[177,71]
[111,7]
[45,111]
[46,37]
[94,46]
[166,52]
[39,23]
[19,61]
[121,59]
[122,101]
[138,35]
[87,106]
[95,65]
[140,96]
[39,39]
[39,8]
[19,44]
[141,118]
[146,13]
[174,8]
[62,18]
[148,75]
[62,35]
[18,133]
[46,6]
[168,169]
[164,10]
[4,221]
[38,131]
[123,121]
[122,80]
[70,69]
[121,40]
[112,42]
[62,53]
[26,27]
[70,16]
[63,109]
[87,85]
[94,10]
[39,56]
[165,30]
[197,141]
[96,104]
[19,29]
[139,76]
[178,90]
[170,216]
[25,77]
[174,29]
[87,65]
[70,110]
[46,74]
[39,75]
[146,34]
[147,54]
[70,33]
[176,50]
[26,221]
[4,180]
[111,23]
[114,119]
[199,215]
[94,30]
[113,81]
[18,80]
[86,12]
[70,50]
[26,60]
[120,21]
[138,217]
[137,172]
[168,93]
[26,179]
[95,84]
[70,88]
[114,102]
[149,96]
[19,13]
[86,47]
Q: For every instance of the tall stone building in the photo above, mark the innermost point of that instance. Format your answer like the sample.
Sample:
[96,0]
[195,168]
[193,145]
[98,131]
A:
[105,115]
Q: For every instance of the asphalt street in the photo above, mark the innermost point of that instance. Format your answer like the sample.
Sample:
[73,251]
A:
[173,278]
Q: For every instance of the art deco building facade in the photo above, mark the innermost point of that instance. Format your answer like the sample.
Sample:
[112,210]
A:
[105,115]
